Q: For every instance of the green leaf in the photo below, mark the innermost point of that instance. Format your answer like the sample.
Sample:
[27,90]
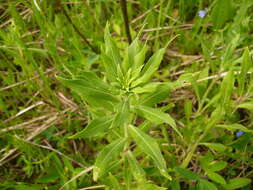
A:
[51,176]
[228,54]
[246,65]
[236,183]
[187,173]
[246,105]
[135,74]
[95,127]
[149,146]
[215,146]
[206,185]
[105,156]
[90,79]
[112,58]
[206,160]
[156,116]
[136,169]
[127,174]
[94,96]
[155,96]
[140,57]
[213,101]
[216,116]
[114,182]
[216,178]
[216,166]
[150,67]
[234,127]
[131,52]
[111,70]
[154,62]
[148,88]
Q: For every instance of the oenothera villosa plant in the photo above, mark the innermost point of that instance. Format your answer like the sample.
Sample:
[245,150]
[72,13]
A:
[115,99]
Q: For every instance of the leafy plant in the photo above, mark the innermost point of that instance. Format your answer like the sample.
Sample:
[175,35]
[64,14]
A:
[121,95]
[139,117]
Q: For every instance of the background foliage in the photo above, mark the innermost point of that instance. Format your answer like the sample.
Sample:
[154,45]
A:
[80,108]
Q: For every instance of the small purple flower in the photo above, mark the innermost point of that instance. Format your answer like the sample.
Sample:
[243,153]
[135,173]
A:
[239,133]
[202,13]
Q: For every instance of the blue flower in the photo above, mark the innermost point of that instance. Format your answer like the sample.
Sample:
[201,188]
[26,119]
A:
[202,13]
[239,133]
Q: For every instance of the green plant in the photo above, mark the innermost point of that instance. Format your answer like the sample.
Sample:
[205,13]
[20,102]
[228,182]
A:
[116,99]
[204,82]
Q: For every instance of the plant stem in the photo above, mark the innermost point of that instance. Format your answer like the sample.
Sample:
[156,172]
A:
[193,147]
[204,96]
[123,4]
[188,158]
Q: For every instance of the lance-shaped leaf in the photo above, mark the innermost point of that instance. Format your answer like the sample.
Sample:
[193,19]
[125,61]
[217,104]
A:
[93,95]
[111,55]
[156,116]
[140,57]
[111,48]
[246,65]
[95,127]
[149,146]
[111,70]
[150,67]
[90,79]
[148,88]
[113,182]
[234,127]
[237,183]
[187,173]
[106,155]
[206,185]
[130,53]
[215,146]
[160,93]
[216,177]
[216,166]
[246,105]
